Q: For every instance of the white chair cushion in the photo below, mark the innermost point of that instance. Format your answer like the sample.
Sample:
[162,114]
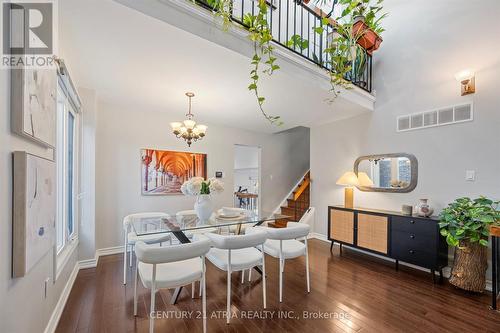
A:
[240,259]
[291,248]
[148,239]
[171,275]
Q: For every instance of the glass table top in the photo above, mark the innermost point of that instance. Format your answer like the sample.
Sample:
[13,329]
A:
[180,223]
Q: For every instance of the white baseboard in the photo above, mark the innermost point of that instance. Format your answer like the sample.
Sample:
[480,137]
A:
[109,251]
[89,263]
[61,303]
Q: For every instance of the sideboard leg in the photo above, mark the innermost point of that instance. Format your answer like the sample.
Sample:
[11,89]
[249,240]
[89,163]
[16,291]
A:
[340,248]
[331,247]
[441,276]
[397,265]
[433,276]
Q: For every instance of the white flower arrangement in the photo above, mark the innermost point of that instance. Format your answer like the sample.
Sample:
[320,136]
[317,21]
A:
[197,185]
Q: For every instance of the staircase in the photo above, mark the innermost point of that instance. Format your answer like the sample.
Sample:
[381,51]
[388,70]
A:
[297,203]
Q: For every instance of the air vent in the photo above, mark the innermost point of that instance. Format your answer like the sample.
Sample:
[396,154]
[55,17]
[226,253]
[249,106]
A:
[430,118]
[445,116]
[463,112]
[439,117]
[404,123]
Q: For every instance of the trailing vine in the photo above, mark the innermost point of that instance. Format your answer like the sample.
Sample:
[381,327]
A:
[346,58]
[261,37]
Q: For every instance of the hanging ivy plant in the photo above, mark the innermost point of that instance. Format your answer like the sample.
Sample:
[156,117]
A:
[346,58]
[260,35]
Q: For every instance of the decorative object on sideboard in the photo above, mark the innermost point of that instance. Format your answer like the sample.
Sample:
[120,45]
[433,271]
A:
[34,93]
[34,210]
[188,129]
[163,172]
[466,225]
[423,208]
[202,190]
[467,81]
[397,172]
[407,210]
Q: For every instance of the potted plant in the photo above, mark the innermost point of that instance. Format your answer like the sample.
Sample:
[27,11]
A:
[366,27]
[465,224]
[202,190]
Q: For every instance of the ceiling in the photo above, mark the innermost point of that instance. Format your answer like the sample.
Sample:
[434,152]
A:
[142,63]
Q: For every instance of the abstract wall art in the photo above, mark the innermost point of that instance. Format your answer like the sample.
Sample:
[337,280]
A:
[34,95]
[163,172]
[34,213]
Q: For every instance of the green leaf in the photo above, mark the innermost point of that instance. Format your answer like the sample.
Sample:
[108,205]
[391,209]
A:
[252,86]
[483,242]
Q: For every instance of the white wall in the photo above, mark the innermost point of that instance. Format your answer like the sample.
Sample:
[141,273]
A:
[23,307]
[122,132]
[246,157]
[426,42]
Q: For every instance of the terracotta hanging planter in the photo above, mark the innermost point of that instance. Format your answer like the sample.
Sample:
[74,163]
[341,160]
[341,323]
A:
[368,39]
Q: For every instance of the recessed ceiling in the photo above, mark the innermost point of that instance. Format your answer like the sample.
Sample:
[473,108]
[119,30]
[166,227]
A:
[140,62]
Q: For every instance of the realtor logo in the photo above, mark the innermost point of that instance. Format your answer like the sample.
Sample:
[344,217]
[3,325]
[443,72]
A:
[27,28]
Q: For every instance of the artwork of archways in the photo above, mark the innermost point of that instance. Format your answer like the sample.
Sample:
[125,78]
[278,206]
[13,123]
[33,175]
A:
[163,172]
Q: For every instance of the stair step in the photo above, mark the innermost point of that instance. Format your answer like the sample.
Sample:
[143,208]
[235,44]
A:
[278,223]
[288,211]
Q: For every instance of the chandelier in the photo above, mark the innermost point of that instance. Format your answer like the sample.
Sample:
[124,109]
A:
[188,129]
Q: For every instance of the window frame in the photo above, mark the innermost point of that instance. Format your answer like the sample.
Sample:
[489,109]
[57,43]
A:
[69,244]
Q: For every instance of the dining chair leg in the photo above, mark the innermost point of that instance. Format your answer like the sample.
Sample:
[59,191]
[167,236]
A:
[307,269]
[228,301]
[200,289]
[131,254]
[125,248]
[192,290]
[250,273]
[152,307]
[281,271]
[242,276]
[135,286]
[263,277]
[204,298]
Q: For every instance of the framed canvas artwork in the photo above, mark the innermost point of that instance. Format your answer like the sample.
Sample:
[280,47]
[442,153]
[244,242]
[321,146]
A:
[34,104]
[34,212]
[163,172]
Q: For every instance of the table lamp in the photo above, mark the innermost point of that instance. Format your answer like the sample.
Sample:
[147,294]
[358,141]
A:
[349,180]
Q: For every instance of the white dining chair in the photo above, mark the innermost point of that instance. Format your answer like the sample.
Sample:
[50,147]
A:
[131,237]
[282,244]
[171,267]
[237,253]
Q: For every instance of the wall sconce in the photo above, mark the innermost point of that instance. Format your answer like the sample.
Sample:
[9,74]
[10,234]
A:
[467,80]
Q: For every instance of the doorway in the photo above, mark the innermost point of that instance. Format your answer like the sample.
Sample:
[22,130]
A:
[247,165]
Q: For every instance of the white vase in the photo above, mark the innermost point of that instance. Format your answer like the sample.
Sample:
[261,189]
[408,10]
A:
[203,207]
[423,209]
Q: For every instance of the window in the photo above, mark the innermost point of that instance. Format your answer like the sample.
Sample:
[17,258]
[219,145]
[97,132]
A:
[67,149]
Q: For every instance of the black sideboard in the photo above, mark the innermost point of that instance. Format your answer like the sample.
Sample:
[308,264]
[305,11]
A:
[411,239]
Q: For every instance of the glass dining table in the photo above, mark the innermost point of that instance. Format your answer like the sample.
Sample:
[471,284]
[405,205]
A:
[183,226]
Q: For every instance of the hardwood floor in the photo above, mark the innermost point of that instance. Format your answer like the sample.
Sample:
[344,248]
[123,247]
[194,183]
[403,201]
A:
[359,293]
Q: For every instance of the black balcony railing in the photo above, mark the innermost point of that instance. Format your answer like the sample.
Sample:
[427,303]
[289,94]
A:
[289,18]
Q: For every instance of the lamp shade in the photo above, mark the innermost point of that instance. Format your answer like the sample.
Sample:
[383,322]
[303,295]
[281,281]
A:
[348,179]
[364,180]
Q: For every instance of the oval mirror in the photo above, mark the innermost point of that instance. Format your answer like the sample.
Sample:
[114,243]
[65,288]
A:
[387,172]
